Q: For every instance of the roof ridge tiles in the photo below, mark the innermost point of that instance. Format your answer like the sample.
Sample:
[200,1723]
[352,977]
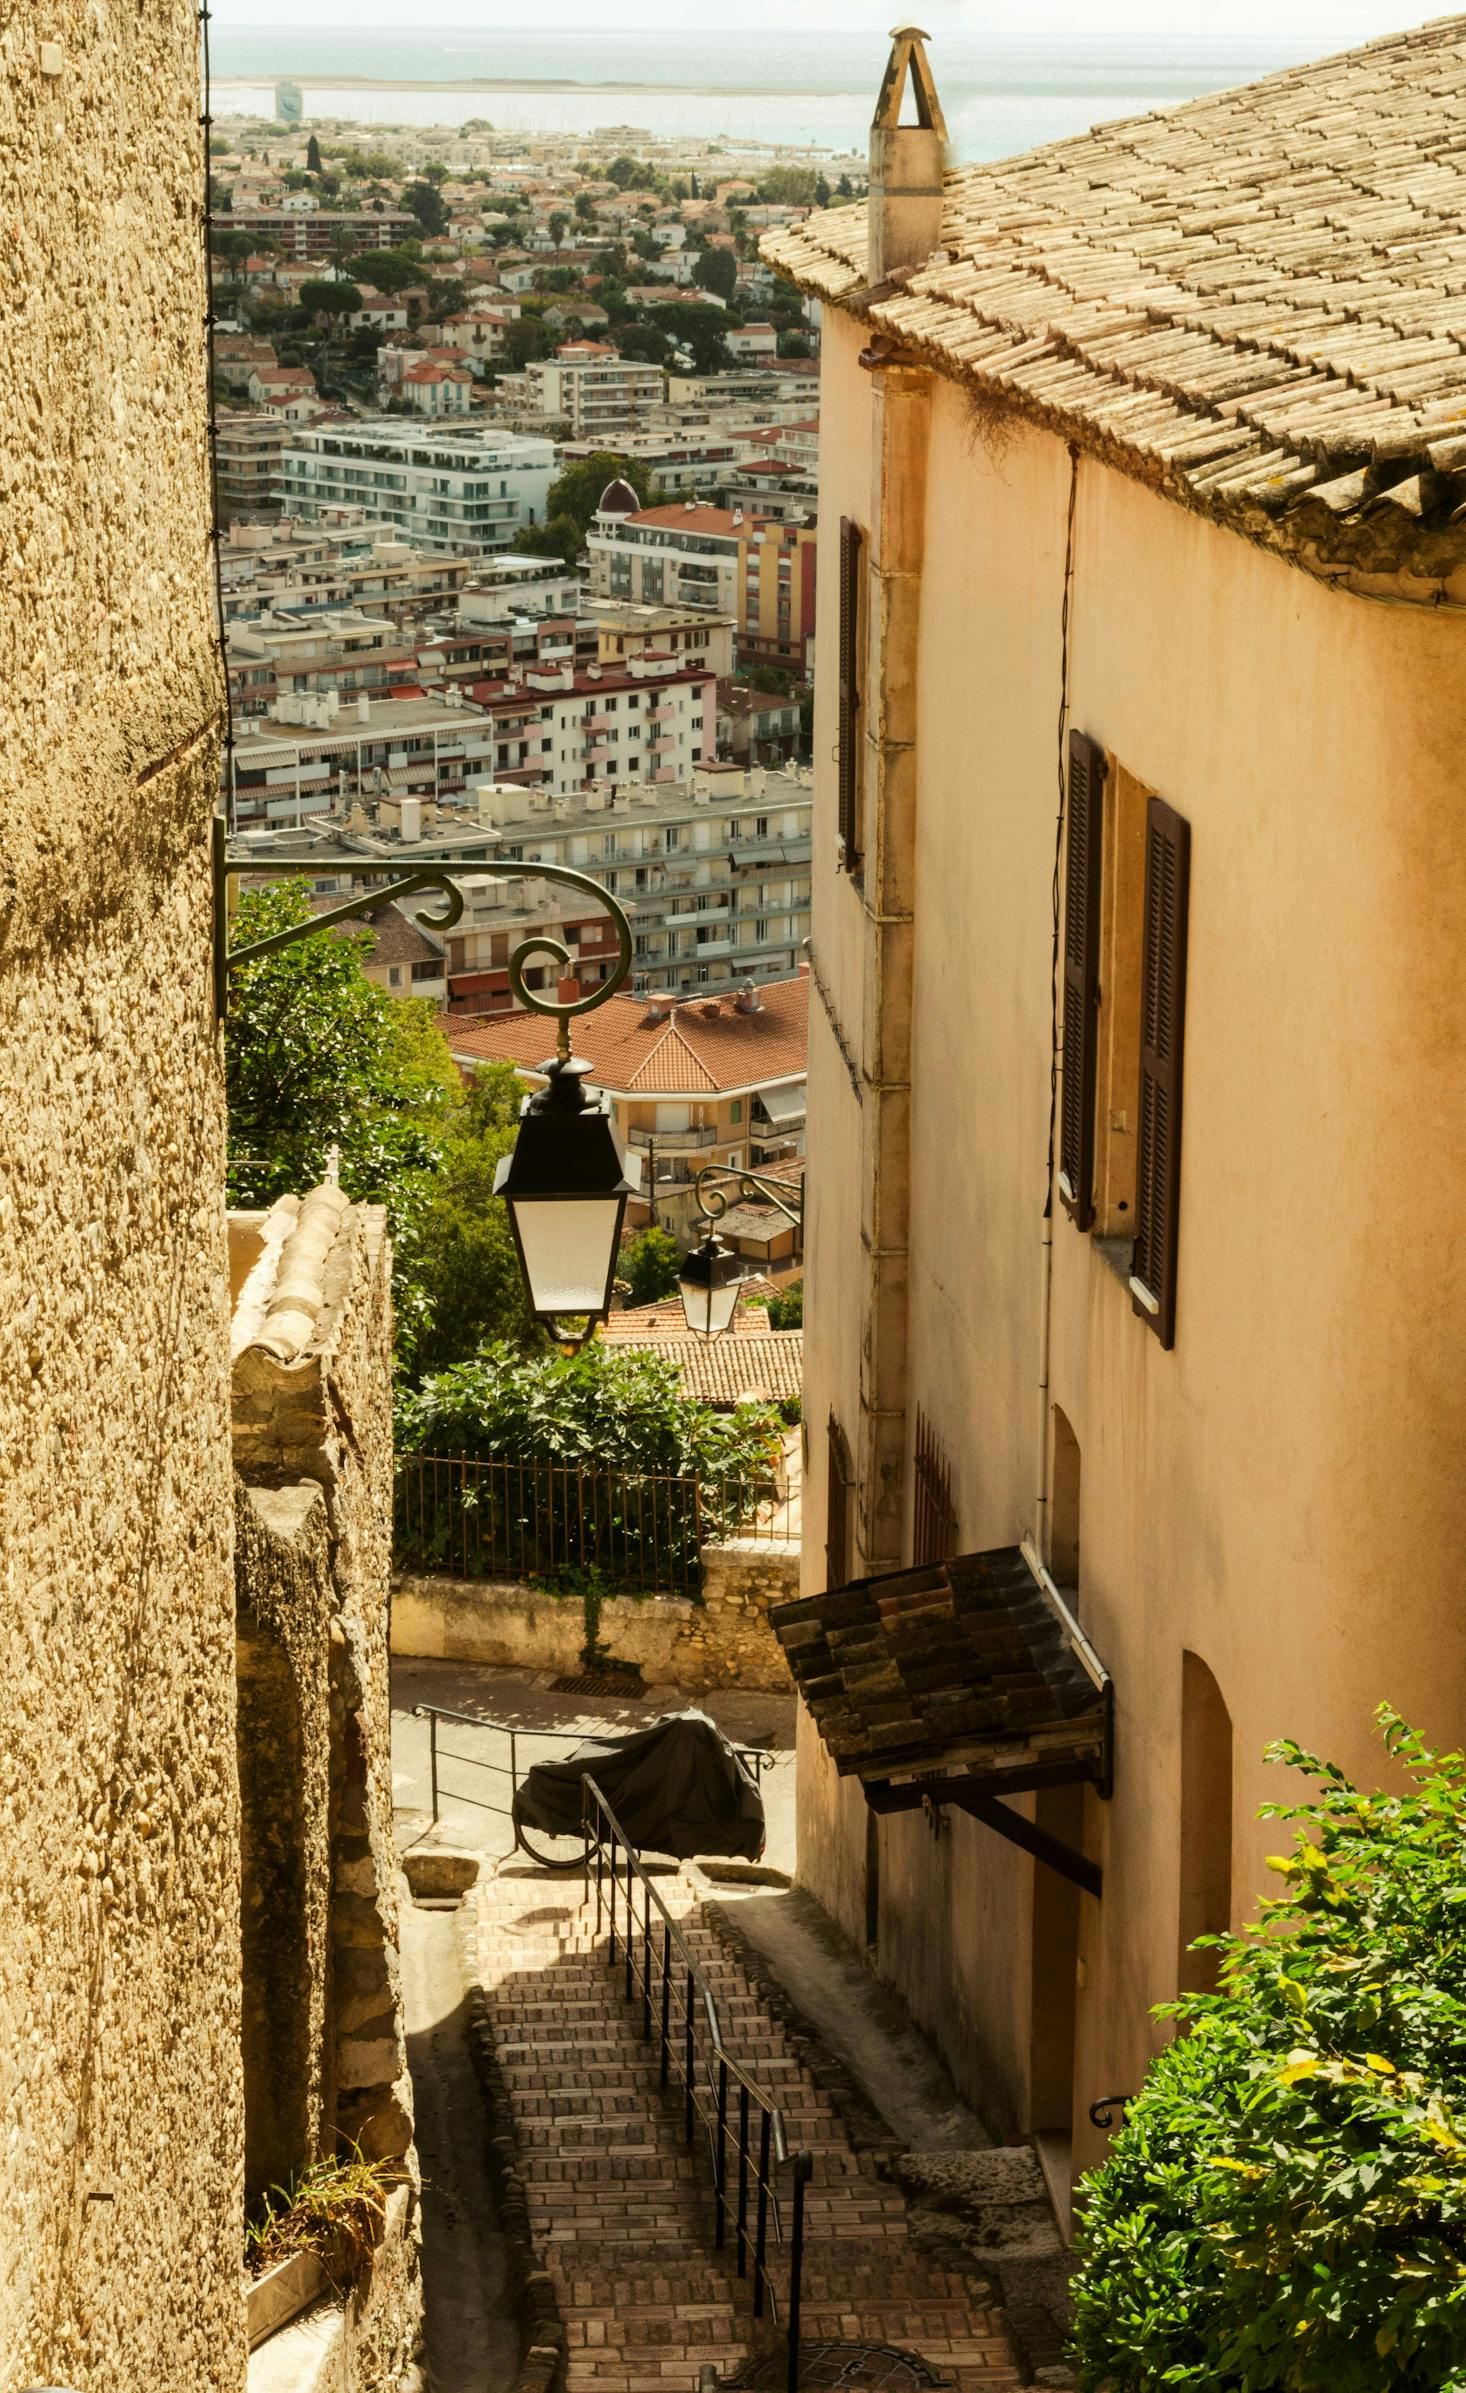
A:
[1315,220]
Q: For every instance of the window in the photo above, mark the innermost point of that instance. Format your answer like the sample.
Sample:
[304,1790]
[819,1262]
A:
[1206,1824]
[1083,843]
[735,1111]
[1162,1036]
[934,1515]
[852,548]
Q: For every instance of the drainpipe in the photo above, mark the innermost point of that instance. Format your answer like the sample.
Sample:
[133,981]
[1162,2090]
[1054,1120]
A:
[1041,1502]
[906,164]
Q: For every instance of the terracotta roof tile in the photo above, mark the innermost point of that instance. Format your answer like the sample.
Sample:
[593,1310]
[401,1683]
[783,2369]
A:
[962,1664]
[1245,301]
[705,1047]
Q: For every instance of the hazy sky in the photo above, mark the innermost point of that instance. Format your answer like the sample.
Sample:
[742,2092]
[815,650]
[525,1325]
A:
[1320,25]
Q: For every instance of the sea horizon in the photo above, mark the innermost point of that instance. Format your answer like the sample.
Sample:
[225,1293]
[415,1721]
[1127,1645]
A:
[1001,95]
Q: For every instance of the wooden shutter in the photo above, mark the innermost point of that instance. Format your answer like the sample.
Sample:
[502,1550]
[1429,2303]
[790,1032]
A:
[852,548]
[1081,976]
[1162,1036]
[837,1508]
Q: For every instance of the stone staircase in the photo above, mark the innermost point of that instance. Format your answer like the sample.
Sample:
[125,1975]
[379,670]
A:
[620,2208]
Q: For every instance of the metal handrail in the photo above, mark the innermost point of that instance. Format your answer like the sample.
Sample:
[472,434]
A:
[606,1839]
[753,1757]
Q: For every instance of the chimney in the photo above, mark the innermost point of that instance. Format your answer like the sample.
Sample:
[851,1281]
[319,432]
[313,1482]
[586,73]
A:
[748,1000]
[906,162]
[659,1005]
[363,708]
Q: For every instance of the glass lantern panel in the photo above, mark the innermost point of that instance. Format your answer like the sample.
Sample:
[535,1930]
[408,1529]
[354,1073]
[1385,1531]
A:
[709,1310]
[568,1245]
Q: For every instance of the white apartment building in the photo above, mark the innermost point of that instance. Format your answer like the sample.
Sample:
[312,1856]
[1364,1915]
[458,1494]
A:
[510,588]
[599,393]
[686,554]
[713,872]
[442,489]
[554,728]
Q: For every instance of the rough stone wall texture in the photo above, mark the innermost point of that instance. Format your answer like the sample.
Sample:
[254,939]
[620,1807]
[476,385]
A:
[283,1581]
[327,1418]
[120,2120]
[724,1641]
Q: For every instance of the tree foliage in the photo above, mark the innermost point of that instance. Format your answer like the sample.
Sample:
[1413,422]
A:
[649,1266]
[575,493]
[316,1056]
[424,200]
[1284,2210]
[388,270]
[717,271]
[467,1271]
[330,298]
[785,1309]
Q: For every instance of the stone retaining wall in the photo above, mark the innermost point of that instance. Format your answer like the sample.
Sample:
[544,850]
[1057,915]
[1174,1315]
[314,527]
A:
[723,1641]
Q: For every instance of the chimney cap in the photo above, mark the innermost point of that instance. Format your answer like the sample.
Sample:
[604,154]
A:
[908,56]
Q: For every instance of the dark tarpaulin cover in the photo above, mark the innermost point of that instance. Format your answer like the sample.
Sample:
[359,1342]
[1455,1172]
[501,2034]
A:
[677,1788]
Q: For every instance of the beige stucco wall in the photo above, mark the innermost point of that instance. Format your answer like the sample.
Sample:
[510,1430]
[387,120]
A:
[120,2181]
[1280,1493]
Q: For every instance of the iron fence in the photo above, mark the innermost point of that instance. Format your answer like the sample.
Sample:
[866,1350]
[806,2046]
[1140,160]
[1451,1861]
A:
[573,1525]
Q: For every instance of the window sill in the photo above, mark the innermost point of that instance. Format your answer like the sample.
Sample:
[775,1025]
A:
[1119,1255]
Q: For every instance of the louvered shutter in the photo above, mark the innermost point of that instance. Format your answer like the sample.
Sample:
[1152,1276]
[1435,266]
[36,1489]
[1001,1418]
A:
[1081,976]
[837,1508]
[848,748]
[1162,1034]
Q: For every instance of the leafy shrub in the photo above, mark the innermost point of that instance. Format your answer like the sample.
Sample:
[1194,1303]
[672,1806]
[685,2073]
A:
[1285,2207]
[691,1475]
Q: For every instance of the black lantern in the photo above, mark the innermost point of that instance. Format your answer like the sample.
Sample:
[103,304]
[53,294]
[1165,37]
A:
[709,1282]
[566,1188]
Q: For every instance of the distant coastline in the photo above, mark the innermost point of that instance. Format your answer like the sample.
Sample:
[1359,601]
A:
[556,83]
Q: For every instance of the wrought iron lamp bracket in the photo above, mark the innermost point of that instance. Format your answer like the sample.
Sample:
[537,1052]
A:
[712,1201]
[394,881]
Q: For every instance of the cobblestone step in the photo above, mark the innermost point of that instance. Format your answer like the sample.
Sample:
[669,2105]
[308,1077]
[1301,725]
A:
[620,2206]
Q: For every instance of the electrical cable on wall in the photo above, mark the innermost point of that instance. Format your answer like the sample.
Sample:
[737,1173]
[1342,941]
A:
[1059,826]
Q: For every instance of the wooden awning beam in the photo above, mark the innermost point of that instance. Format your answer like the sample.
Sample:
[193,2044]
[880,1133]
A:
[965,1795]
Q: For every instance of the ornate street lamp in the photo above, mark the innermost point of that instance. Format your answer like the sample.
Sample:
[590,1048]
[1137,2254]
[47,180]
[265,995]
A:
[568,1178]
[712,1274]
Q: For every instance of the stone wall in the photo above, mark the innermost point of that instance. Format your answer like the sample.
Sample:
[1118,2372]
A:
[283,1574]
[314,1405]
[724,1641]
[120,2119]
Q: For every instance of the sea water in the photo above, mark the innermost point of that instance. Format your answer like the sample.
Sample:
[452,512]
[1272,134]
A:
[801,89]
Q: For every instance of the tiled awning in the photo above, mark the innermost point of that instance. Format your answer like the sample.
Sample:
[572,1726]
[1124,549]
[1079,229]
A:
[972,1666]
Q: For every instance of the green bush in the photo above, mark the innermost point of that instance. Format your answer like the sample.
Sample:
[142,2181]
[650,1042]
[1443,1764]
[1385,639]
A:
[1285,2206]
[617,1472]
[650,1264]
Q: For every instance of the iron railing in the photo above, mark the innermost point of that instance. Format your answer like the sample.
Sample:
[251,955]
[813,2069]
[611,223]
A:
[574,1525]
[753,1757]
[751,2159]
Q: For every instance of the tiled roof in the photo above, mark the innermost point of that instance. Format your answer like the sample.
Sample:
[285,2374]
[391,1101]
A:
[287,1294]
[396,938]
[963,1664]
[654,1324]
[746,1370]
[701,1049]
[717,522]
[1255,302]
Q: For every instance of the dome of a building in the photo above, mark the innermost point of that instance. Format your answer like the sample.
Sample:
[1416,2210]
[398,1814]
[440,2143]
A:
[618,498]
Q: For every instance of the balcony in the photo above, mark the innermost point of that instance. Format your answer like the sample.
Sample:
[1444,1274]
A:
[672,1142]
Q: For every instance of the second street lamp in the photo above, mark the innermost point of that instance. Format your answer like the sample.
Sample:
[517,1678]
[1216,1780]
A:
[712,1274]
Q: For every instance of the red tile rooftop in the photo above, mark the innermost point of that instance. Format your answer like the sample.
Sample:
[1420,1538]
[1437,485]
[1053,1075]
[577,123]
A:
[701,1047]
